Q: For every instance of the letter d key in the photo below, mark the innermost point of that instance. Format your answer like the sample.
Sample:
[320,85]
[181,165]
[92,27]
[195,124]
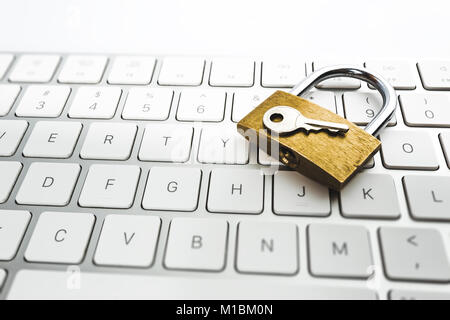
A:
[313,140]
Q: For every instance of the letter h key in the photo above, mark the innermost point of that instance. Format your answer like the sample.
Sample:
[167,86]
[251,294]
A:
[313,140]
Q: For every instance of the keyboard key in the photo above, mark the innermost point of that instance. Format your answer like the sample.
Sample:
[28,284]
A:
[360,108]
[236,191]
[294,194]
[5,61]
[179,71]
[282,74]
[418,295]
[172,188]
[49,184]
[445,142]
[110,186]
[339,251]
[148,104]
[219,145]
[109,141]
[52,139]
[226,72]
[246,101]
[424,110]
[324,99]
[167,143]
[370,195]
[9,171]
[95,102]
[196,244]
[60,237]
[52,285]
[83,69]
[132,70]
[408,150]
[428,197]
[337,83]
[400,74]
[270,248]
[128,241]
[2,277]
[43,101]
[8,95]
[34,68]
[201,105]
[11,133]
[414,254]
[13,224]
[435,75]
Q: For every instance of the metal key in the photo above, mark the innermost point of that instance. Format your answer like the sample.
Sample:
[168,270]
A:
[284,119]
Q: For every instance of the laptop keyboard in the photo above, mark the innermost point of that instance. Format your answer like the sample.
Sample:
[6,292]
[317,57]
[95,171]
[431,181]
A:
[129,170]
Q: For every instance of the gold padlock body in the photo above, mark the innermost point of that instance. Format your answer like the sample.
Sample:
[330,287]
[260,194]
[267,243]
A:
[327,158]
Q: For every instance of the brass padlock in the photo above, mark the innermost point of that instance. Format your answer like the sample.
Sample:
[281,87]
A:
[325,147]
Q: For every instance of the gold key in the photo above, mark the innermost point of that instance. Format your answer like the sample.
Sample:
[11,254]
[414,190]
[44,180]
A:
[313,140]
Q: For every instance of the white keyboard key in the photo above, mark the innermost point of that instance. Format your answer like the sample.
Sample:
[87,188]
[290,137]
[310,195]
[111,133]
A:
[408,150]
[339,251]
[148,104]
[414,254]
[8,95]
[128,241]
[226,72]
[236,191]
[370,195]
[218,145]
[13,224]
[52,285]
[5,61]
[400,74]
[109,141]
[201,105]
[246,101]
[428,197]
[172,188]
[132,70]
[110,186]
[34,68]
[83,69]
[196,244]
[361,107]
[424,110]
[95,102]
[43,101]
[418,295]
[445,142]
[336,83]
[282,74]
[269,248]
[9,172]
[2,277]
[179,71]
[435,75]
[48,184]
[166,142]
[324,99]
[52,139]
[60,237]
[11,133]
[294,194]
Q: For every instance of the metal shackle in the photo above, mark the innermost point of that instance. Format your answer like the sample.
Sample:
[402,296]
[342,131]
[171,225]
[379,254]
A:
[378,82]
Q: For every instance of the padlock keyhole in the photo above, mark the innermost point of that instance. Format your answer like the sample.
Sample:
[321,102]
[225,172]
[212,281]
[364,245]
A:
[287,158]
[276,117]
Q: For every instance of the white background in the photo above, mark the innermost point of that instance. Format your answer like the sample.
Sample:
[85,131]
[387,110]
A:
[314,28]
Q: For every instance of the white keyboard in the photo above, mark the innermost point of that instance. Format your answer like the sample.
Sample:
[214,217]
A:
[124,177]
